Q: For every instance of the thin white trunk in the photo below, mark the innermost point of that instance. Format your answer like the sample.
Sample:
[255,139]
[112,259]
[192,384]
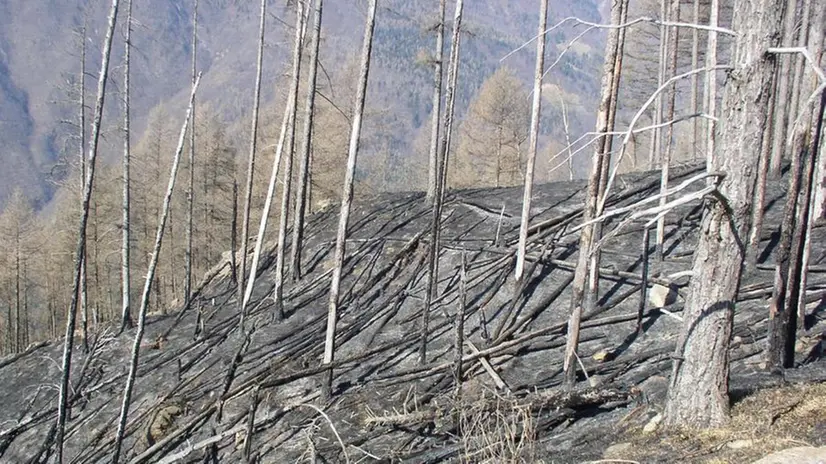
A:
[68,344]
[567,138]
[265,214]
[656,135]
[245,221]
[583,275]
[126,316]
[695,79]
[435,120]
[710,89]
[347,199]
[669,139]
[150,275]
[436,218]
[536,108]
[306,137]
[288,165]
[84,285]
[190,193]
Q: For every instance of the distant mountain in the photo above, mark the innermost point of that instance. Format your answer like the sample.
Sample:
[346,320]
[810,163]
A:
[39,50]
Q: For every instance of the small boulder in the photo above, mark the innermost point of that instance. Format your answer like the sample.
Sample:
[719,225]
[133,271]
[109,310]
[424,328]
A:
[799,455]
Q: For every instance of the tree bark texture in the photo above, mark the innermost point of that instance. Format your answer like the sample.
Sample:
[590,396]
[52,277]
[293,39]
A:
[698,393]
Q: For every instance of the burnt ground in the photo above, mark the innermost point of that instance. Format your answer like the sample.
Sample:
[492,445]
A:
[198,395]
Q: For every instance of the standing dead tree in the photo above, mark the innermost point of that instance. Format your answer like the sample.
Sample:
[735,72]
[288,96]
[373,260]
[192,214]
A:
[288,164]
[536,108]
[435,121]
[710,83]
[783,91]
[190,192]
[68,342]
[245,222]
[698,391]
[667,143]
[84,286]
[126,288]
[786,307]
[346,201]
[306,147]
[586,297]
[150,276]
[436,218]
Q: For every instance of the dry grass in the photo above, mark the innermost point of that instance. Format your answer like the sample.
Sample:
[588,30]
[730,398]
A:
[764,422]
[503,434]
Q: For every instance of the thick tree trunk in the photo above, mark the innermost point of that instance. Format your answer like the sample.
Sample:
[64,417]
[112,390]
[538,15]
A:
[301,197]
[68,343]
[536,108]
[580,297]
[190,193]
[436,215]
[347,199]
[150,275]
[126,288]
[698,393]
[245,221]
[438,65]
[288,166]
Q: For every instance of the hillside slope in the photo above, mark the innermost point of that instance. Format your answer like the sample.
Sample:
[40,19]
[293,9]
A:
[197,383]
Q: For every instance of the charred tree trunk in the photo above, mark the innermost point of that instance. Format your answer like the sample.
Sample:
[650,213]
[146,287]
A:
[150,275]
[306,147]
[784,313]
[436,215]
[758,211]
[698,393]
[68,343]
[245,222]
[438,65]
[346,200]
[536,108]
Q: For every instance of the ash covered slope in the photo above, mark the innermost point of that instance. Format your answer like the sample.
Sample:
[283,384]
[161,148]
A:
[194,393]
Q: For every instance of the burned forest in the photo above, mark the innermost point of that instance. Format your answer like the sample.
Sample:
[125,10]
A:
[588,233]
